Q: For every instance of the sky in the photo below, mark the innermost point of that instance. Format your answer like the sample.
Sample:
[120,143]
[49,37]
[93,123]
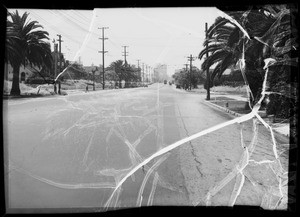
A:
[153,35]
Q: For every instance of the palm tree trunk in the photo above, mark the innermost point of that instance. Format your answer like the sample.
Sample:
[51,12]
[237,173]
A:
[55,88]
[59,88]
[15,88]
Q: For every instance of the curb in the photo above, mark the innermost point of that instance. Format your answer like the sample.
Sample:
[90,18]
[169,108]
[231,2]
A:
[239,115]
[224,109]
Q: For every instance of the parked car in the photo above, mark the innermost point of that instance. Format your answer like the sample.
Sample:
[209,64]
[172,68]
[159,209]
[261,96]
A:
[178,86]
[165,81]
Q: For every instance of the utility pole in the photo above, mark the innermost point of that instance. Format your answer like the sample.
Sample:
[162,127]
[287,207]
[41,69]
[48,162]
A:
[59,40]
[186,67]
[190,58]
[143,73]
[103,52]
[139,69]
[149,73]
[93,71]
[146,74]
[125,54]
[207,70]
[55,64]
[125,61]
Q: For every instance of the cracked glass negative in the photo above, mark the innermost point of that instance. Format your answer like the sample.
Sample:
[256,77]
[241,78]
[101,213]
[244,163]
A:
[114,149]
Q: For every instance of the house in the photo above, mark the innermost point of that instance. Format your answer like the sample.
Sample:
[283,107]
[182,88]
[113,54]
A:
[25,72]
[94,71]
[31,72]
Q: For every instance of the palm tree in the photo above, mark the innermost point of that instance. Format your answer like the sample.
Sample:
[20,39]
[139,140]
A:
[227,44]
[281,46]
[130,75]
[270,28]
[118,67]
[25,45]
[223,45]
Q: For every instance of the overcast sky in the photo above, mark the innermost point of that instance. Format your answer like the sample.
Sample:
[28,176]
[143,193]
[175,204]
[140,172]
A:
[153,35]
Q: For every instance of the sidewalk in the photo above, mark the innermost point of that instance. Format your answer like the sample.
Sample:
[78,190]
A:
[282,128]
[235,97]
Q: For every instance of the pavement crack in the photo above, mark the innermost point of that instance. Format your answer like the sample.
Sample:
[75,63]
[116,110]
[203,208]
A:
[190,142]
[199,170]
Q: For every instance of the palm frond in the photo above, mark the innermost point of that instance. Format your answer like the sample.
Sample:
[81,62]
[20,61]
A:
[25,43]
[210,49]
[214,58]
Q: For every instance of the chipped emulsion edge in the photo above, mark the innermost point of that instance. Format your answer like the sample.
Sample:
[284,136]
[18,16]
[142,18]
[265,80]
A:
[237,171]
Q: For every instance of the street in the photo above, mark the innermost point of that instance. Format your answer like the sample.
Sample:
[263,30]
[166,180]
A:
[72,151]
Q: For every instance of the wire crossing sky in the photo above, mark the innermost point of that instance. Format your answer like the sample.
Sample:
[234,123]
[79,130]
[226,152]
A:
[154,35]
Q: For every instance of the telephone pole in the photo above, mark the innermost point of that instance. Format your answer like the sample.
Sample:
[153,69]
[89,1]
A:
[186,66]
[59,40]
[207,70]
[190,58]
[146,74]
[139,68]
[55,64]
[125,53]
[143,73]
[103,52]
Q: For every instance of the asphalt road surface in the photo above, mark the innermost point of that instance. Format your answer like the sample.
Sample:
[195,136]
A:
[72,151]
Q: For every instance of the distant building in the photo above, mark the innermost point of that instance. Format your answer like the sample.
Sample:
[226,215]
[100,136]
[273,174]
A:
[160,73]
[56,58]
[31,71]
[25,72]
[90,69]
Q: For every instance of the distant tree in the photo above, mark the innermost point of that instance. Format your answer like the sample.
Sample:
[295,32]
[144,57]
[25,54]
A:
[117,67]
[25,45]
[111,75]
[76,71]
[131,75]
[124,72]
[183,77]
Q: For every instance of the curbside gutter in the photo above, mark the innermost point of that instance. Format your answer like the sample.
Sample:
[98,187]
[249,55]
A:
[224,109]
[239,115]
